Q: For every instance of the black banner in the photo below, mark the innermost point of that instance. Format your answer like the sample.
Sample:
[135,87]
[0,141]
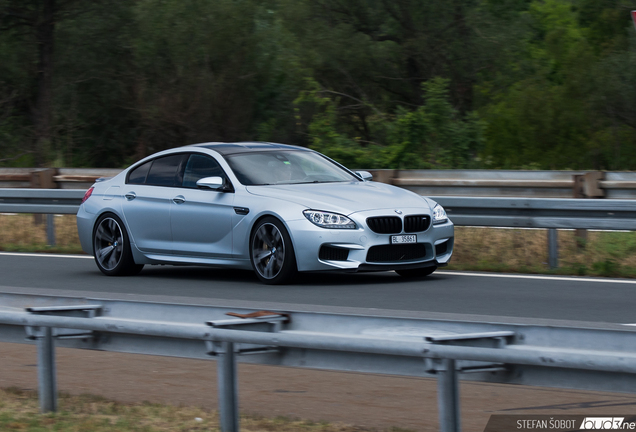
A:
[560,423]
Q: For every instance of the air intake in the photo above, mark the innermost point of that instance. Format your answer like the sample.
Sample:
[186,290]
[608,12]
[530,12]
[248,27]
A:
[330,253]
[442,248]
[396,253]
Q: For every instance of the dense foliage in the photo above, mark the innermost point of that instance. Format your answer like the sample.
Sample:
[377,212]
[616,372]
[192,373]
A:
[538,84]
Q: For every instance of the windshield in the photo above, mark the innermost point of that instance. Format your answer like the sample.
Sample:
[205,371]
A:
[286,167]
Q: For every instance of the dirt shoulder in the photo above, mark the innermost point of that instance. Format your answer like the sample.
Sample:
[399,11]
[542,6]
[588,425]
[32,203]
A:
[361,399]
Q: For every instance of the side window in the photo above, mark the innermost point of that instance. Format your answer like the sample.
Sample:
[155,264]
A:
[201,166]
[138,175]
[166,171]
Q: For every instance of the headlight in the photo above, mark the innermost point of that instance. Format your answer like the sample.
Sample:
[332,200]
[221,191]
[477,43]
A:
[329,220]
[439,215]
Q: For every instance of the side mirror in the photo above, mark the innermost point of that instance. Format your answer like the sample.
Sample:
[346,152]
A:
[214,183]
[364,175]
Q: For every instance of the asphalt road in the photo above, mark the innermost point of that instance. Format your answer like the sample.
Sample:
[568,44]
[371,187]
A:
[501,295]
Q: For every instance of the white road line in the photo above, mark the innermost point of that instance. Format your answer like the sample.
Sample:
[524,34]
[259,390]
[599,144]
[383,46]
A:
[453,273]
[538,277]
[45,255]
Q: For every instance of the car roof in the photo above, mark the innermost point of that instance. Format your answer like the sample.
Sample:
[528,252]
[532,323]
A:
[246,147]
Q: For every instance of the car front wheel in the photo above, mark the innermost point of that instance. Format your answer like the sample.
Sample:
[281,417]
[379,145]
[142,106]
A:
[272,252]
[111,247]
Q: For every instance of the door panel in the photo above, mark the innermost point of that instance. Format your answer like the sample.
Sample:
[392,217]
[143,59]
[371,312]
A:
[147,202]
[202,223]
[147,215]
[201,219]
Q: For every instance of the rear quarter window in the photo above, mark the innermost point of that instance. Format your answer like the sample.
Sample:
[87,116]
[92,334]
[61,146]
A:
[167,171]
[162,171]
[139,174]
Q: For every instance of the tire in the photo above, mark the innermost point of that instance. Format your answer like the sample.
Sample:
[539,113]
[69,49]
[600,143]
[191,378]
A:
[111,247]
[416,272]
[272,253]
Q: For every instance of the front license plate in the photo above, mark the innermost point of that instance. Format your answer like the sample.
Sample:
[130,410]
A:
[399,239]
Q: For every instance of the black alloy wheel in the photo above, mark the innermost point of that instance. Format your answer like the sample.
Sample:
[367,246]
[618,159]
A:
[272,252]
[111,247]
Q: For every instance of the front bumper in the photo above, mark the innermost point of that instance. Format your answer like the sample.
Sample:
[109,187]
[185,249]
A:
[361,249]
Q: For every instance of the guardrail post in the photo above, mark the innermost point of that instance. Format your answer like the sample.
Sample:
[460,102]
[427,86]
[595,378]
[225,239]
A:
[448,397]
[45,179]
[226,358]
[50,230]
[47,386]
[447,370]
[46,371]
[553,248]
[228,388]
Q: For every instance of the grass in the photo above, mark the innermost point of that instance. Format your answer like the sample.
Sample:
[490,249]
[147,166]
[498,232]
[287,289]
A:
[481,249]
[21,233]
[610,254]
[19,411]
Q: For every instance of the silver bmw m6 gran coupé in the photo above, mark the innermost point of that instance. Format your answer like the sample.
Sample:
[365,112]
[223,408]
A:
[273,208]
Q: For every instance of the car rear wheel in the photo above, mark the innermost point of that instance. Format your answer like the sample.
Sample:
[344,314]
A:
[416,273]
[111,247]
[272,252]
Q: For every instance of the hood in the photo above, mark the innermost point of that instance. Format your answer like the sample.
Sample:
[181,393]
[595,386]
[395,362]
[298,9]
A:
[344,198]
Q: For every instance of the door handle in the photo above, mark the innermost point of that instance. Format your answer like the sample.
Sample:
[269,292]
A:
[130,196]
[179,199]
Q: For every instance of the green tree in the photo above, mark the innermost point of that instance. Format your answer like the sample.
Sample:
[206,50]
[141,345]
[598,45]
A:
[15,98]
[380,52]
[542,118]
[38,18]
[33,23]
[373,83]
[563,99]
[435,135]
[207,71]
[95,121]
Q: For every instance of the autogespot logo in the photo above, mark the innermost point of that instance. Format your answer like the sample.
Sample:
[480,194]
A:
[607,423]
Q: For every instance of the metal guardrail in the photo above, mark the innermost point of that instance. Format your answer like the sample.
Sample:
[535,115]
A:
[40,201]
[552,354]
[551,213]
[464,211]
[541,212]
[493,183]
[514,183]
[53,178]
